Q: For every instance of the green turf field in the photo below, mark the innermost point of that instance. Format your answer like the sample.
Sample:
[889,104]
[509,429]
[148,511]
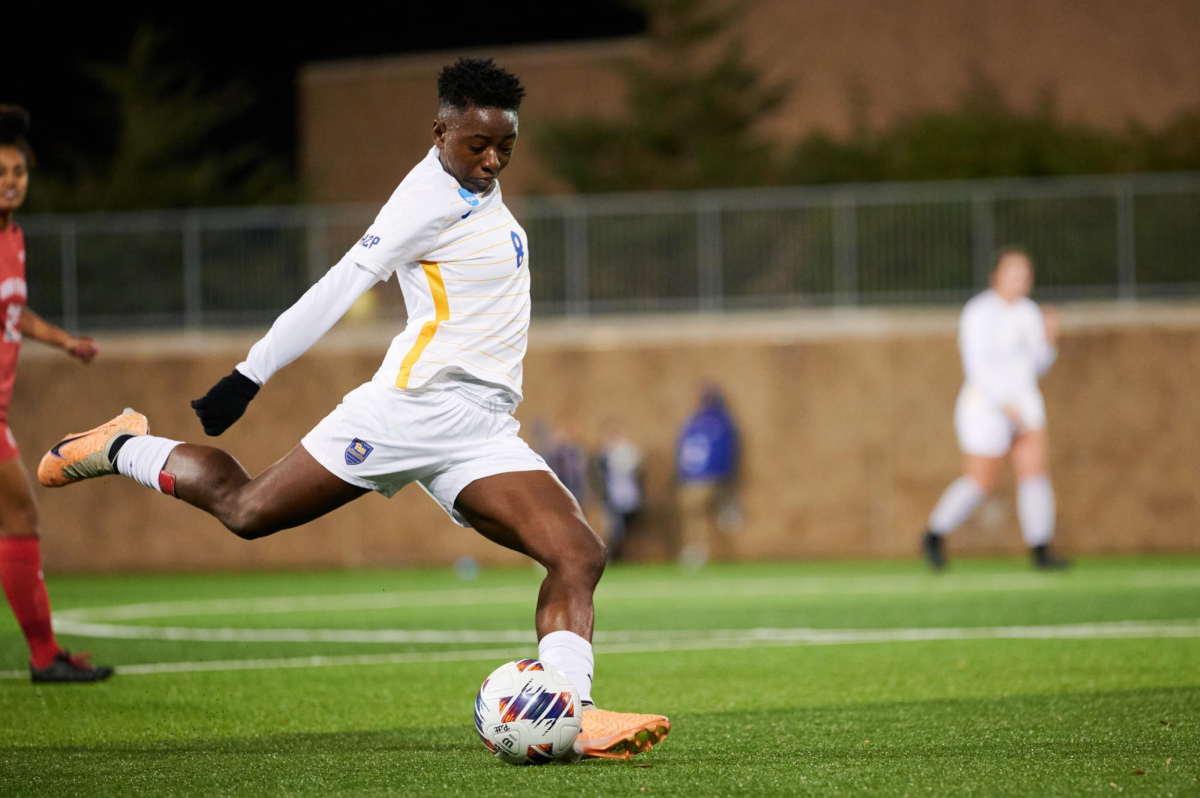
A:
[788,679]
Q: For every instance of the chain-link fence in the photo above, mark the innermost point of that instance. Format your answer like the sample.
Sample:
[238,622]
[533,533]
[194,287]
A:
[1117,238]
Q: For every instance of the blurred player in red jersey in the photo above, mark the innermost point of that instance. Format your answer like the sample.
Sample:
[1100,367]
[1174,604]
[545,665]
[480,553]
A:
[20,553]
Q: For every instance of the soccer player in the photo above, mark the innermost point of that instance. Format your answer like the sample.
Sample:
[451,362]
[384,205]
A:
[1007,344]
[20,548]
[439,410]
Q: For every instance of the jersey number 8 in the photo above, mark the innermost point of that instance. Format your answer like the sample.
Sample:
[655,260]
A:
[520,248]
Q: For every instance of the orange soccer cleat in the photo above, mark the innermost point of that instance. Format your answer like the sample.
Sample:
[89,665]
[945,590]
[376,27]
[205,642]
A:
[619,735]
[83,455]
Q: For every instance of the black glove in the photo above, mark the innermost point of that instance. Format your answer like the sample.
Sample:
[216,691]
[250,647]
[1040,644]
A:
[225,402]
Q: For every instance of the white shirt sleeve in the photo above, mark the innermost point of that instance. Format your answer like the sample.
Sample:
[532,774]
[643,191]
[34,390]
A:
[301,325]
[404,232]
[976,340]
[1044,354]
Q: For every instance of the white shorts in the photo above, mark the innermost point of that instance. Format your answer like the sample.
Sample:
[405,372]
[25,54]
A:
[382,439]
[984,430]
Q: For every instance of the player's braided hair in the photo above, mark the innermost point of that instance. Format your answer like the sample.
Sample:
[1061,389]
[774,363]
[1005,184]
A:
[14,127]
[479,82]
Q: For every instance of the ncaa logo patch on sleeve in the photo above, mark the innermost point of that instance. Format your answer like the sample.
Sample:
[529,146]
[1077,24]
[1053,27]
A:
[357,451]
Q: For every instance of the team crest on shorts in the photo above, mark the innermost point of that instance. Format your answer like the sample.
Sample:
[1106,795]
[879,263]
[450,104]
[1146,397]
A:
[357,451]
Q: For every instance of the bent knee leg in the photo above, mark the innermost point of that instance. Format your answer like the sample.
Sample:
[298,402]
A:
[984,471]
[580,552]
[248,517]
[565,544]
[987,486]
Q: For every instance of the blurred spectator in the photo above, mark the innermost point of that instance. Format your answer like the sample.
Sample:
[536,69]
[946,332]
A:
[620,466]
[567,458]
[706,458]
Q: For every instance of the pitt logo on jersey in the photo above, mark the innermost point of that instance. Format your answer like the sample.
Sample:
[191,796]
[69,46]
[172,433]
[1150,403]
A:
[369,240]
[357,451]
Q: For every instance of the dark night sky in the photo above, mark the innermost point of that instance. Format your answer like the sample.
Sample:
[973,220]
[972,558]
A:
[45,69]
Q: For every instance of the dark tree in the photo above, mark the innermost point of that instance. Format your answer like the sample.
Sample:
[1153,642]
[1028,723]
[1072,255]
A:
[693,107]
[177,142]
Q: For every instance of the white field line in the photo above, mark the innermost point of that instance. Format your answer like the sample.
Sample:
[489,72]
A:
[806,636]
[300,662]
[725,639]
[250,635]
[727,589]
[290,604]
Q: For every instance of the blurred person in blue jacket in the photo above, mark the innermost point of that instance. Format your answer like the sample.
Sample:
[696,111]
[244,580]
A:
[706,463]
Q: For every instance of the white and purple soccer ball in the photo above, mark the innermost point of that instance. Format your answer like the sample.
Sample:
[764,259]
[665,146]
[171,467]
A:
[527,713]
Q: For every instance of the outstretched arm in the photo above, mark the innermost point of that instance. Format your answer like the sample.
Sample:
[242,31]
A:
[405,229]
[297,329]
[34,326]
[303,324]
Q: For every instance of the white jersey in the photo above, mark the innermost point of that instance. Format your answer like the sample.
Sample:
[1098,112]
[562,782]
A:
[463,265]
[439,410]
[1004,347]
[1004,352]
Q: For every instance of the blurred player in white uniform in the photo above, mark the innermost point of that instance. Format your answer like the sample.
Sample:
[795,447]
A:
[439,410]
[1007,344]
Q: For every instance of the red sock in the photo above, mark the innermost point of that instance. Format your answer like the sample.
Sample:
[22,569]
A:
[21,576]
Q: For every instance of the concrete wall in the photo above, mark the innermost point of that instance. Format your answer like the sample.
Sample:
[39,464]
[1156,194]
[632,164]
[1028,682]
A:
[1106,62]
[846,418]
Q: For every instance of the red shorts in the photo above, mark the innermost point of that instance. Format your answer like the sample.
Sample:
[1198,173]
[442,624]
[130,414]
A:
[8,444]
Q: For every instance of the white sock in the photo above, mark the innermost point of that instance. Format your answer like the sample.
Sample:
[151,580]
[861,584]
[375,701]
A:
[956,505]
[572,655]
[1035,508]
[142,458]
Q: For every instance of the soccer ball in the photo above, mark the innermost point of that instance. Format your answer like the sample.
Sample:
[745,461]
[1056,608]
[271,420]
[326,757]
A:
[527,713]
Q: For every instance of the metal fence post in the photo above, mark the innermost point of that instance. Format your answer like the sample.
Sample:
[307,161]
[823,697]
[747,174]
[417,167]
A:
[1126,243]
[317,228]
[70,275]
[576,277]
[193,286]
[709,282]
[983,236]
[845,250]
